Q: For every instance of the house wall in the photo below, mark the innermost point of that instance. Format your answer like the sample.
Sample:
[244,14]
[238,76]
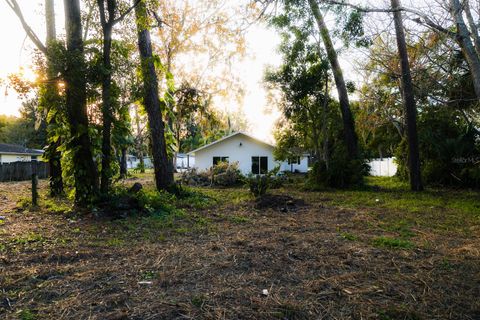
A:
[231,148]
[7,158]
[385,167]
[295,167]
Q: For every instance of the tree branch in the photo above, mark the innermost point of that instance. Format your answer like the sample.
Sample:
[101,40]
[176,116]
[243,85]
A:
[124,14]
[421,16]
[30,33]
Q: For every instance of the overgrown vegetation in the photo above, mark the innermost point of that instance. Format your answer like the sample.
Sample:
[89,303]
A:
[379,238]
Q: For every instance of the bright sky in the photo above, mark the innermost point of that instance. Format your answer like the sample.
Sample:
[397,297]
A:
[16,54]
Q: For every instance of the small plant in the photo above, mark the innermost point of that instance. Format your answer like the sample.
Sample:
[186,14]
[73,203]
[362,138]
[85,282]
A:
[238,219]
[258,184]
[392,243]
[26,314]
[348,236]
[199,300]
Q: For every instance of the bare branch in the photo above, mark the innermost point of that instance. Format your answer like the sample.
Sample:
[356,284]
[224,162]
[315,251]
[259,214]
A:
[422,17]
[30,33]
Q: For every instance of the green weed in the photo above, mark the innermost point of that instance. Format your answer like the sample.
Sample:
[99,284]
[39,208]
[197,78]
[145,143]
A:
[392,243]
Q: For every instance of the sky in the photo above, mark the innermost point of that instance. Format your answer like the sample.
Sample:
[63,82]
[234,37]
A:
[16,56]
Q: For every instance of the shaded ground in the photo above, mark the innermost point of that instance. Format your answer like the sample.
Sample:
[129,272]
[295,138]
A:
[373,254]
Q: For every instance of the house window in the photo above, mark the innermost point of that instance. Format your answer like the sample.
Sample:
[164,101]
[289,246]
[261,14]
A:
[259,165]
[216,160]
[294,160]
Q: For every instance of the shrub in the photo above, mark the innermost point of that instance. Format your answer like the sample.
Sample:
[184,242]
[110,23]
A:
[223,174]
[341,172]
[193,177]
[258,184]
[226,174]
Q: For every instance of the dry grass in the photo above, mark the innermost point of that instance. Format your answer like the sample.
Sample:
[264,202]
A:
[319,261]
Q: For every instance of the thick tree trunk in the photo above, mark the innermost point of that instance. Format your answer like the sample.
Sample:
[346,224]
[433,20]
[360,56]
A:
[107,113]
[85,171]
[53,154]
[351,139]
[162,165]
[408,102]
[465,43]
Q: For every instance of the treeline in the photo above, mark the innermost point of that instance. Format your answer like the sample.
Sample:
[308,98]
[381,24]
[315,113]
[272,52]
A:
[117,83]
[417,98]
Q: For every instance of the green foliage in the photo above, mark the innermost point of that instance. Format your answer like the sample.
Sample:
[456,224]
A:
[258,184]
[226,174]
[341,172]
[348,236]
[392,243]
[27,314]
[449,149]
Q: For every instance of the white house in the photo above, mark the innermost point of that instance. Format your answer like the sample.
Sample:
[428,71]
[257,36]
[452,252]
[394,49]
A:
[253,155]
[14,152]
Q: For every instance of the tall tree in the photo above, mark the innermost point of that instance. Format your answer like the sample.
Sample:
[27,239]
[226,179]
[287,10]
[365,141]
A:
[50,94]
[351,139]
[151,100]
[108,19]
[85,171]
[408,101]
[52,97]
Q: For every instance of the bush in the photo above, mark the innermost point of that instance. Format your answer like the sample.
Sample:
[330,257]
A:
[341,172]
[449,151]
[223,174]
[226,174]
[258,184]
[193,177]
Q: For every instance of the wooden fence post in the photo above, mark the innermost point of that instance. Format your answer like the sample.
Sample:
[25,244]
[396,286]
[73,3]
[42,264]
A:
[34,183]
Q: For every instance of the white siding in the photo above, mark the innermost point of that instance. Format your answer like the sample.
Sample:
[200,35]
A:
[238,148]
[385,167]
[295,167]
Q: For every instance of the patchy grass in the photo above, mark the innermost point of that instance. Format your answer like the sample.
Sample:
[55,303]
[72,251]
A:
[380,252]
[392,243]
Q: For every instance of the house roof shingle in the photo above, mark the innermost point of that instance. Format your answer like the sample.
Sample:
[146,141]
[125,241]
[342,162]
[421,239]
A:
[6,148]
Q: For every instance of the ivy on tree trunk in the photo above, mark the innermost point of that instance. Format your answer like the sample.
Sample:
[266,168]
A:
[85,171]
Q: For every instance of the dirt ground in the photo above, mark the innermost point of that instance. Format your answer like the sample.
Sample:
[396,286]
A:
[308,259]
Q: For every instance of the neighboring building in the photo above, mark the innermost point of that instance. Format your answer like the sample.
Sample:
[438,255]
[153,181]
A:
[13,153]
[185,161]
[384,167]
[133,162]
[253,155]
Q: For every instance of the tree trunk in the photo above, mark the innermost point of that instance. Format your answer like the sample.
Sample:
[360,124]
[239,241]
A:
[408,102]
[139,141]
[161,163]
[325,152]
[52,153]
[465,43]
[351,139]
[85,171]
[107,114]
[123,163]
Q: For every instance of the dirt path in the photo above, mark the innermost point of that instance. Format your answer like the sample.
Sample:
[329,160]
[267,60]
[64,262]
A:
[66,268]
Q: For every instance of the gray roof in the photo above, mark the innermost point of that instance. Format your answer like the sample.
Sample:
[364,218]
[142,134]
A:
[228,137]
[6,148]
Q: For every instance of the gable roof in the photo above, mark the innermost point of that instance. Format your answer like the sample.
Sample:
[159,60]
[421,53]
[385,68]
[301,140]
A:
[228,137]
[6,148]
